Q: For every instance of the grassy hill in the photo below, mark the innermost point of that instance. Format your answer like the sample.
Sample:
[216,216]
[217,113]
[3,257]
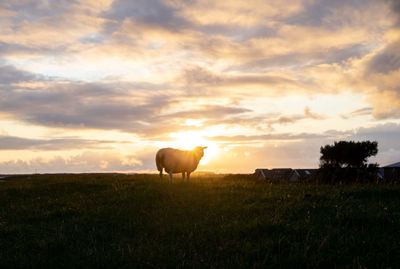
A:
[126,221]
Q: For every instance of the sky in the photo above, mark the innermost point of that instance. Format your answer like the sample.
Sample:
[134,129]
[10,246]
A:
[101,85]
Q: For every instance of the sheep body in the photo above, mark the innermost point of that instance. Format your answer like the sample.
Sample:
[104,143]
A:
[178,161]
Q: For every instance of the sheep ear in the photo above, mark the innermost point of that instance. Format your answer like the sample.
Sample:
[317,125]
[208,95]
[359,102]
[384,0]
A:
[204,147]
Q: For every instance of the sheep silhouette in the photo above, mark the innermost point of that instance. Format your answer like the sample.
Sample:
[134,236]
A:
[178,161]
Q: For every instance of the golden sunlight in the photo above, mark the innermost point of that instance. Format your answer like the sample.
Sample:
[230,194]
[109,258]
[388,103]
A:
[188,140]
[194,122]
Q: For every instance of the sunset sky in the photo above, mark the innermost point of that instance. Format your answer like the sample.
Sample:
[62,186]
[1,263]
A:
[100,85]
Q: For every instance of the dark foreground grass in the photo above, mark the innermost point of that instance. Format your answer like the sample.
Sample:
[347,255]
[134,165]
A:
[136,221]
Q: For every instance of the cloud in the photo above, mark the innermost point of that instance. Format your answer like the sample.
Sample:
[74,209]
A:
[165,123]
[243,153]
[246,118]
[298,59]
[155,13]
[386,134]
[380,80]
[46,28]
[246,158]
[395,5]
[82,105]
[246,153]
[143,25]
[365,111]
[198,80]
[270,137]
[340,13]
[287,119]
[10,75]
[387,137]
[387,60]
[207,112]
[88,161]
[287,48]
[35,10]
[20,143]
[241,15]
[141,108]
[12,48]
[312,115]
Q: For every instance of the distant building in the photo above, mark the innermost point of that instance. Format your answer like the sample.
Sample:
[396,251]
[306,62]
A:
[390,172]
[393,165]
[305,174]
[284,174]
[387,173]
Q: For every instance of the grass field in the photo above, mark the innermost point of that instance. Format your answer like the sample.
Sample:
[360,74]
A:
[136,221]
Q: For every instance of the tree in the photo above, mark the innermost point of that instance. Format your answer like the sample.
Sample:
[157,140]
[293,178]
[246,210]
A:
[347,160]
[348,154]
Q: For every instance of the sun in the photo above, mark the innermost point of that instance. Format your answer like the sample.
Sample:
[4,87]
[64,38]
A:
[188,140]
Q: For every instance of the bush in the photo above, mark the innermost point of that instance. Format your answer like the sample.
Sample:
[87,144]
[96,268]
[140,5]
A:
[347,161]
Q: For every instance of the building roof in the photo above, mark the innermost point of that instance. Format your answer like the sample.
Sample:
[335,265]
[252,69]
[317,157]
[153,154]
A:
[393,165]
[284,173]
[280,173]
[306,173]
[275,174]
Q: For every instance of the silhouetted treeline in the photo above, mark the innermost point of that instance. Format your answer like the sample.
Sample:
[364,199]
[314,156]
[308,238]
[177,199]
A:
[346,161]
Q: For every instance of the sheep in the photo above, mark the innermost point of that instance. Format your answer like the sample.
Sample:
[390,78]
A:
[178,161]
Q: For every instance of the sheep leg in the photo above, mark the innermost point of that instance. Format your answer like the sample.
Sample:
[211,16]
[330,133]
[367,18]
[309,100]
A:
[170,177]
[183,176]
[161,174]
[187,176]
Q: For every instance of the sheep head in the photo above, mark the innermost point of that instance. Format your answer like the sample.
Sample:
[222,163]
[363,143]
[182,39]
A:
[199,152]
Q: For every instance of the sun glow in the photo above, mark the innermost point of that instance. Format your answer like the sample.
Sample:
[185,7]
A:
[190,139]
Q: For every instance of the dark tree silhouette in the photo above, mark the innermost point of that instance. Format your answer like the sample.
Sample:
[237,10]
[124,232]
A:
[347,160]
[349,154]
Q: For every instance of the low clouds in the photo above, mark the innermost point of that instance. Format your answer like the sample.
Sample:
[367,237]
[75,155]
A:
[244,153]
[138,108]
[387,137]
[302,150]
[88,161]
[85,105]
[19,143]
[270,137]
